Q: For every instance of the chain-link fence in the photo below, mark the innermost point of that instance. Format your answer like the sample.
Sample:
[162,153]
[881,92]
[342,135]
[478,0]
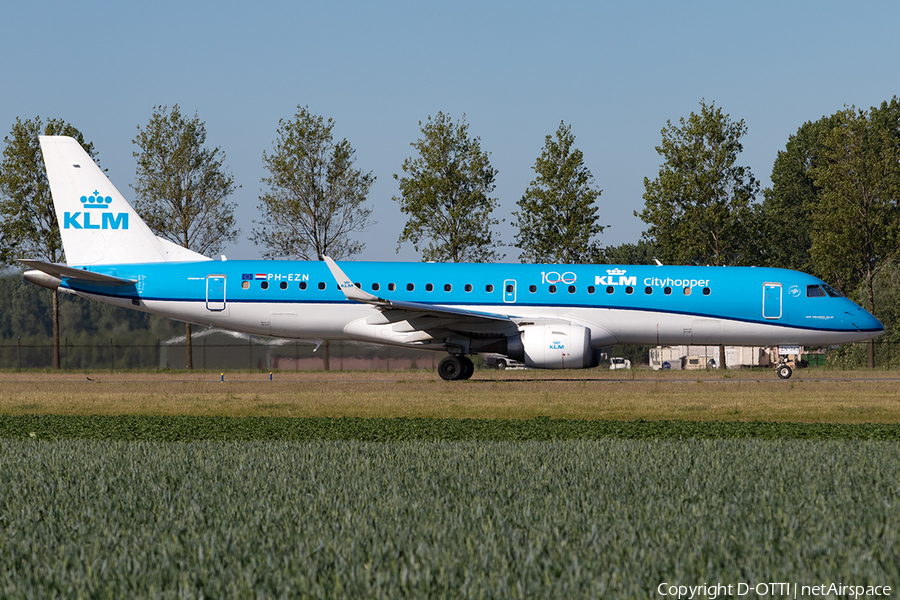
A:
[230,353]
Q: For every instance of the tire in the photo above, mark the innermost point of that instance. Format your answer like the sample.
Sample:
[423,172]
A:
[468,367]
[501,364]
[784,372]
[451,368]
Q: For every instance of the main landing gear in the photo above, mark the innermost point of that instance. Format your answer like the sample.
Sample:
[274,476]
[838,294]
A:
[456,366]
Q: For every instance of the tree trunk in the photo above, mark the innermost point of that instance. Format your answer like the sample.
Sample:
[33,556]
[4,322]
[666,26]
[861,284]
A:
[325,356]
[56,329]
[722,364]
[870,283]
[189,351]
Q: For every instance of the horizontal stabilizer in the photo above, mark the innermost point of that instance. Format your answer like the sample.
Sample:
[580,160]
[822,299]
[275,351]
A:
[77,275]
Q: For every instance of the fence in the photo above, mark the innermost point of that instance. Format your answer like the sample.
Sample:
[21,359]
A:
[248,352]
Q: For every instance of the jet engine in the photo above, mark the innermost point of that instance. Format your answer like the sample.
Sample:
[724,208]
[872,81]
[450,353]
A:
[561,346]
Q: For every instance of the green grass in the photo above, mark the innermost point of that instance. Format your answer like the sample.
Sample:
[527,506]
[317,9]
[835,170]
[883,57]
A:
[190,428]
[607,517]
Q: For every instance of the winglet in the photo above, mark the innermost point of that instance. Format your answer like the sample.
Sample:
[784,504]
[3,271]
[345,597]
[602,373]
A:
[348,287]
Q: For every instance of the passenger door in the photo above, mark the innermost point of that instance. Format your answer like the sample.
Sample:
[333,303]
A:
[215,293]
[771,300]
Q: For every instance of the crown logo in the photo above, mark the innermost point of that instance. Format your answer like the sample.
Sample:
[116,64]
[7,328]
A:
[96,201]
[615,272]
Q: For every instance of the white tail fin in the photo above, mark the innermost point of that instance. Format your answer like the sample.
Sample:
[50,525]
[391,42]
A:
[98,225]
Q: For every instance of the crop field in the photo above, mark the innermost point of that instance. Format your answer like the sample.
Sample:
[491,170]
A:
[337,519]
[397,485]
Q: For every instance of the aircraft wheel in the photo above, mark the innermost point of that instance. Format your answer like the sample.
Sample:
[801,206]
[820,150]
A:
[451,368]
[501,364]
[784,371]
[468,367]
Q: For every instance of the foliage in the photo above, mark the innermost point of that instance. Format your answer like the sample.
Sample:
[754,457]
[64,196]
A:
[552,519]
[28,224]
[858,223]
[641,253]
[699,206]
[182,186]
[446,193]
[793,200]
[557,217]
[25,317]
[194,428]
[316,198]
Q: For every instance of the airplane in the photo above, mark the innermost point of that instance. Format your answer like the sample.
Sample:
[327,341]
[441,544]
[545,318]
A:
[546,316]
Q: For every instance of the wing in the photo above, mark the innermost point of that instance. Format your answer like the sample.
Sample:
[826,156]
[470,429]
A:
[429,323]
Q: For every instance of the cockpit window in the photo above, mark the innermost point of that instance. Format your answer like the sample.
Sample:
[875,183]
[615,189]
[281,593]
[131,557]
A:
[814,291]
[831,291]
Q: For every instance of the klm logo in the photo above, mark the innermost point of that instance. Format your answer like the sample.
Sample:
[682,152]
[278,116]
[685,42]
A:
[615,277]
[557,345]
[96,215]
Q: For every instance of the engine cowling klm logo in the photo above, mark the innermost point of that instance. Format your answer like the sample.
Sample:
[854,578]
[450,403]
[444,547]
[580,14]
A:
[87,219]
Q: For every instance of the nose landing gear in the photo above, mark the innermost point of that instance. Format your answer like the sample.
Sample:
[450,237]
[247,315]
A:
[455,367]
[783,371]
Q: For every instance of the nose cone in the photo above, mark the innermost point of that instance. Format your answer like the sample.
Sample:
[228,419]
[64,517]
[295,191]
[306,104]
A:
[866,321]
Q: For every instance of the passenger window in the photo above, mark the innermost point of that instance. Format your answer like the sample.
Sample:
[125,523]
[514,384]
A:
[447,287]
[392,287]
[264,285]
[283,285]
[532,288]
[706,291]
[509,289]
[302,285]
[667,291]
[376,287]
[468,287]
[489,288]
[245,285]
[610,289]
[321,285]
[429,287]
[814,291]
[687,291]
[591,289]
[410,287]
[552,289]
[571,289]
[648,290]
[357,284]
[629,290]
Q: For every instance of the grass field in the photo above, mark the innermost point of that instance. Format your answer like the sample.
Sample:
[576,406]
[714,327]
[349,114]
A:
[396,485]
[831,397]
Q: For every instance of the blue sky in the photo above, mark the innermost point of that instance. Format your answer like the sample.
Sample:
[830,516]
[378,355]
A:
[616,72]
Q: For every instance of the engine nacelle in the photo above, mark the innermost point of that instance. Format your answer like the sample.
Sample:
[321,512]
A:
[563,346]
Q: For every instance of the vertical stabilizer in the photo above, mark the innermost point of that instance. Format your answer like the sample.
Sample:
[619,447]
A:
[98,225]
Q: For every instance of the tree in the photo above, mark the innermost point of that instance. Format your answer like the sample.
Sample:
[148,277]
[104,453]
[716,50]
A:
[446,194]
[28,224]
[557,219]
[642,253]
[699,206]
[316,198]
[857,226]
[182,186]
[789,205]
